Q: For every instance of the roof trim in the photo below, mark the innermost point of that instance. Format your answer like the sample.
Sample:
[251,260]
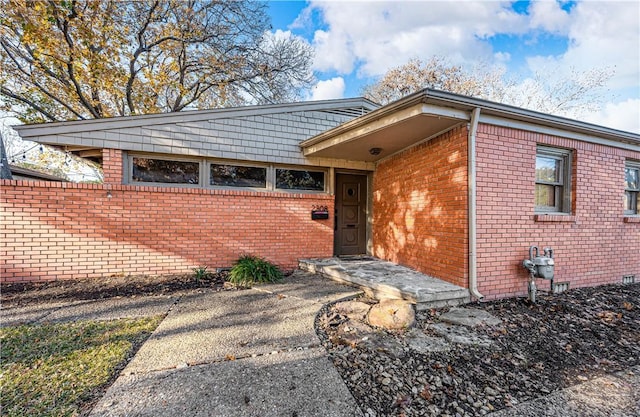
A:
[488,108]
[75,126]
[32,173]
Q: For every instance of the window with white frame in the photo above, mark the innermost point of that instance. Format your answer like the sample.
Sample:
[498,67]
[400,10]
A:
[631,187]
[553,180]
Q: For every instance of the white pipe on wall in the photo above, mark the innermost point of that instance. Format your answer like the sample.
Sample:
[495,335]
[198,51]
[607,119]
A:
[471,147]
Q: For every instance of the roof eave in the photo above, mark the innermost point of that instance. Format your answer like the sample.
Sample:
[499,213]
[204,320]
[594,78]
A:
[52,128]
[505,111]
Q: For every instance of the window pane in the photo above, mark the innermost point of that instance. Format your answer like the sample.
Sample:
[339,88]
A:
[289,179]
[632,182]
[547,169]
[631,202]
[238,176]
[545,195]
[163,171]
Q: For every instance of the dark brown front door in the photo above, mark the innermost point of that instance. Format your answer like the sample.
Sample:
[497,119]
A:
[351,218]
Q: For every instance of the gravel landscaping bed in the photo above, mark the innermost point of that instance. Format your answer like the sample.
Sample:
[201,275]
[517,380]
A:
[440,369]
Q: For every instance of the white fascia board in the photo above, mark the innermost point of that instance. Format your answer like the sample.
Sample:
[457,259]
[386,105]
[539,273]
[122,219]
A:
[548,130]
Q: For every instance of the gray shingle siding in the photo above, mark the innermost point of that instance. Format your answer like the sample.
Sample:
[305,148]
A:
[266,134]
[270,138]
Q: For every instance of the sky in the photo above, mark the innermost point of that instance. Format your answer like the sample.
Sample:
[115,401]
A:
[356,42]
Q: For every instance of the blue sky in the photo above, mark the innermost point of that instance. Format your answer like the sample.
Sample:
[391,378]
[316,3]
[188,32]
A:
[356,42]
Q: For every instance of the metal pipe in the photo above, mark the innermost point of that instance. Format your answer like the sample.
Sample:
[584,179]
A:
[471,149]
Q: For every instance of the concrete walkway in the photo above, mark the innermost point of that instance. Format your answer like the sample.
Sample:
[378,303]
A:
[255,353]
[232,353]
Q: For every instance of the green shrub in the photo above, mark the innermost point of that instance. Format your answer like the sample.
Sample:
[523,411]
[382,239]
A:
[200,273]
[249,270]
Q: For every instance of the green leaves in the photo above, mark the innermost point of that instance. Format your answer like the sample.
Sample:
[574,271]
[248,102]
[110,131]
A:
[249,270]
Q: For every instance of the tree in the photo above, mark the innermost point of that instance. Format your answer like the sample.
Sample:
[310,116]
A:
[83,59]
[438,74]
[44,158]
[568,96]
[5,171]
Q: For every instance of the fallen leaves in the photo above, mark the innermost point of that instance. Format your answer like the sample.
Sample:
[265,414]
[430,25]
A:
[426,394]
[609,316]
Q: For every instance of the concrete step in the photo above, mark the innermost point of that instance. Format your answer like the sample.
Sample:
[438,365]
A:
[381,279]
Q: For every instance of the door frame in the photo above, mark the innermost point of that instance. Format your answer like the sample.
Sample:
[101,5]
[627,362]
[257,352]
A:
[368,204]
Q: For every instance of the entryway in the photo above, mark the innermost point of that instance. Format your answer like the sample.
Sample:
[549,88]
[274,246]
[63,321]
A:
[350,231]
[382,279]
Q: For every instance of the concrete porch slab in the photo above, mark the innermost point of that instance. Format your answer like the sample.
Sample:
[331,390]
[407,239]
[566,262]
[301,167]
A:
[381,279]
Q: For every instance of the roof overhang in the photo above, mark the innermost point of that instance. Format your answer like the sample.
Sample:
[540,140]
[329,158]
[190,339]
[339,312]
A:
[386,134]
[429,113]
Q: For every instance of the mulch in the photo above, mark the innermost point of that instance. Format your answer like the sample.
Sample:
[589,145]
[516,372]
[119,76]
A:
[561,341]
[23,294]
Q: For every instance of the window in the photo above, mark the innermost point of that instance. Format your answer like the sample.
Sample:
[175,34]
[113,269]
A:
[238,176]
[291,179]
[208,173]
[164,171]
[631,187]
[553,184]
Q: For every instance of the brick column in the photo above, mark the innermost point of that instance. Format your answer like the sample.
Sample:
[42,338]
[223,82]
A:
[112,169]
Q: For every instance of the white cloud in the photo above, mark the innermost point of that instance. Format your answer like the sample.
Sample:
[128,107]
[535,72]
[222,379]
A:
[367,38]
[624,115]
[374,36]
[328,89]
[549,16]
[602,34]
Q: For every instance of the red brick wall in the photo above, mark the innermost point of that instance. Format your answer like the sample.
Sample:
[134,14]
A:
[112,166]
[420,208]
[595,247]
[52,231]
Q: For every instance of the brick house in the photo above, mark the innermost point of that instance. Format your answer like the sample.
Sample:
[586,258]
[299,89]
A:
[455,187]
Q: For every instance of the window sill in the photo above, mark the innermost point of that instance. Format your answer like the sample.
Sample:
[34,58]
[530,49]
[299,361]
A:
[554,218]
[631,219]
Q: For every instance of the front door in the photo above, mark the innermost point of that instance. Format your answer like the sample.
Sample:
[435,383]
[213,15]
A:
[351,215]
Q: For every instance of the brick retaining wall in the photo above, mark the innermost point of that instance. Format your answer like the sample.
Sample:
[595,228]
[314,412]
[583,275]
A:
[52,231]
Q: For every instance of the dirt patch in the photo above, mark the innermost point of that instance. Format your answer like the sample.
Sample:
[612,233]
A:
[22,294]
[538,348]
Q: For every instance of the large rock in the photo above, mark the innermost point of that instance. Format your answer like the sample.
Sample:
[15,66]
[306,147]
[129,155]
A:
[392,315]
[355,310]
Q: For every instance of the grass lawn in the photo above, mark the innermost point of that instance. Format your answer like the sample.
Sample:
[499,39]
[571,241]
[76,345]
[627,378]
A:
[57,369]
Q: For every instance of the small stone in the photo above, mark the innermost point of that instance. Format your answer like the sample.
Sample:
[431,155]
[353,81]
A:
[386,381]
[182,365]
[490,391]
